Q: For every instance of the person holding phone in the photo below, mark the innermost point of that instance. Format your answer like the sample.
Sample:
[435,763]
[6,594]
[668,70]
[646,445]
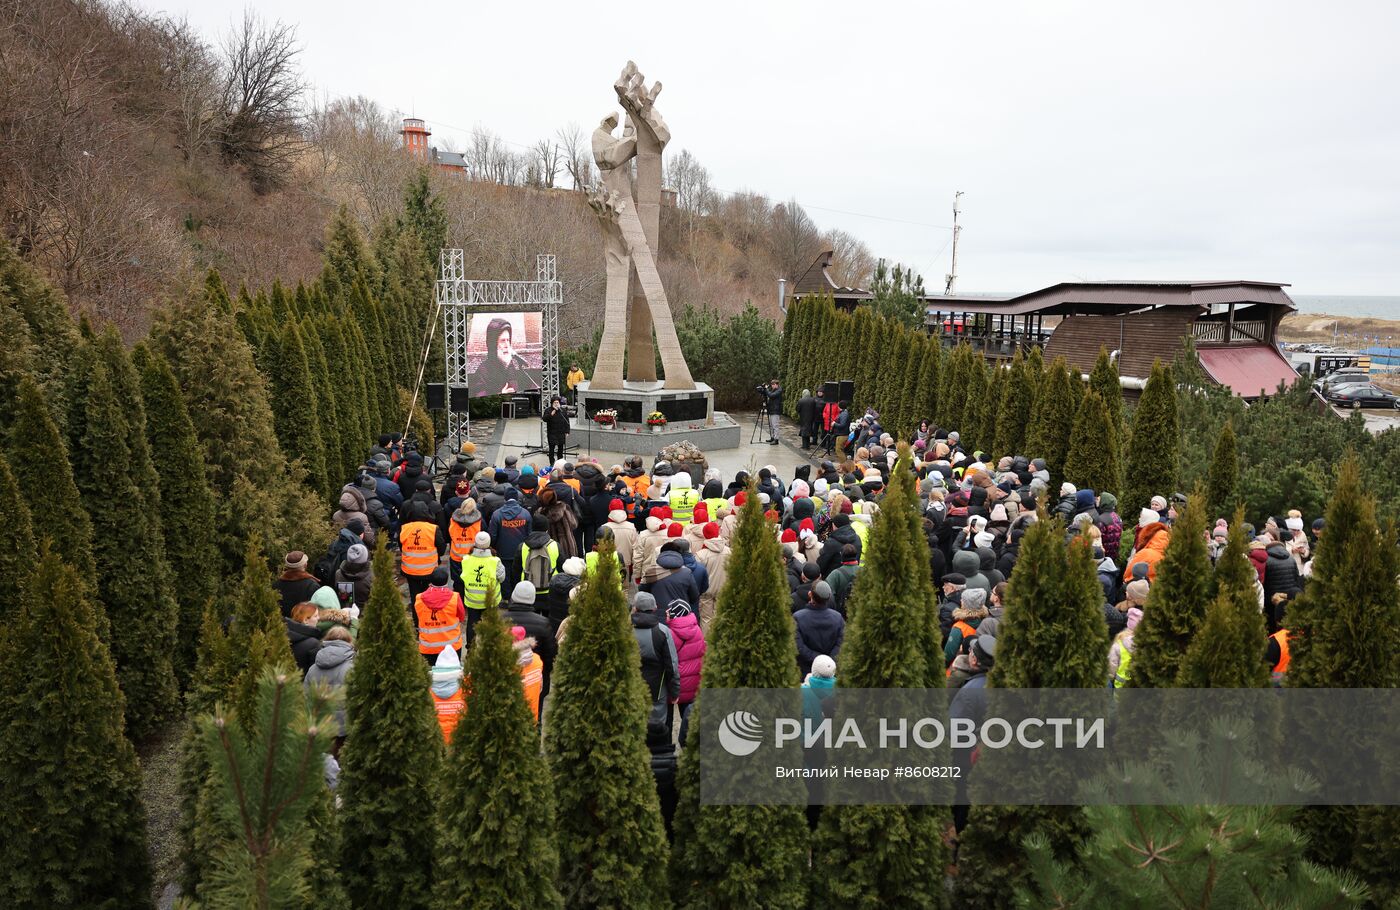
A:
[556,426]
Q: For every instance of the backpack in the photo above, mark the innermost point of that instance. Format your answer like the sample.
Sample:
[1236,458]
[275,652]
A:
[539,568]
[326,567]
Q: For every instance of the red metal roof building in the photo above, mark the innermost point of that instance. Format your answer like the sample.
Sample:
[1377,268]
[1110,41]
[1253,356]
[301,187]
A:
[1234,325]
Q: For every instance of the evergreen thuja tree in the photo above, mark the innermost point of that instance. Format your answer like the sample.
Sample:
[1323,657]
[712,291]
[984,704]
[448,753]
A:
[186,504]
[1344,632]
[1150,466]
[1224,472]
[930,365]
[1014,414]
[736,856]
[1052,637]
[1228,651]
[497,800]
[17,549]
[266,784]
[39,458]
[887,855]
[1176,605]
[607,815]
[228,402]
[1105,380]
[1052,419]
[129,554]
[1093,462]
[296,409]
[76,831]
[391,758]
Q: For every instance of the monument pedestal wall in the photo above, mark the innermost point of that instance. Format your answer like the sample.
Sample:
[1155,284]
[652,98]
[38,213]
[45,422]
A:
[690,417]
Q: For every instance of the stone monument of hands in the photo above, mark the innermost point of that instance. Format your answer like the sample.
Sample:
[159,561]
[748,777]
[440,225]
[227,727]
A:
[640,104]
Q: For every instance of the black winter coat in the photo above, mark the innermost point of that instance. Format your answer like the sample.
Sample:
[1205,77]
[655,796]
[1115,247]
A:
[809,413]
[1280,573]
[830,556]
[556,423]
[305,641]
[679,585]
[820,630]
[296,591]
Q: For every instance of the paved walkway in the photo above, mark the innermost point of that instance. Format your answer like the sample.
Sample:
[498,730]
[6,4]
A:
[514,437]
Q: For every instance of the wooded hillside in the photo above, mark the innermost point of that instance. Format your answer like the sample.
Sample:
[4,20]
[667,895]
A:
[136,153]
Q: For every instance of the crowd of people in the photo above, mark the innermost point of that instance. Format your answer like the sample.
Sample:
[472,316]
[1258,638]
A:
[528,532]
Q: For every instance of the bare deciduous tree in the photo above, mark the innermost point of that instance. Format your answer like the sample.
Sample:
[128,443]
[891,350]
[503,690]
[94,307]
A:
[576,156]
[793,239]
[852,264]
[261,100]
[548,161]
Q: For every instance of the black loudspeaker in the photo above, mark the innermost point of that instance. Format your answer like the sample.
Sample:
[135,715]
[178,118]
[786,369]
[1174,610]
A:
[437,396]
[847,391]
[831,391]
[461,399]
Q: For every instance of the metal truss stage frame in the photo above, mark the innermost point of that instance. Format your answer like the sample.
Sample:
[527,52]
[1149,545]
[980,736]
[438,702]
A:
[458,296]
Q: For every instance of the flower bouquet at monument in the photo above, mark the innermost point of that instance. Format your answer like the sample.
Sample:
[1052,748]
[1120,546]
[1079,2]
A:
[656,419]
[606,417]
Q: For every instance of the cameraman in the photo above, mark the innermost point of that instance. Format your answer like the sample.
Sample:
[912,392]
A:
[556,426]
[773,401]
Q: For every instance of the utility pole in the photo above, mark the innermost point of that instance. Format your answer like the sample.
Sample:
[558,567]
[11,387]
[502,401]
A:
[952,275]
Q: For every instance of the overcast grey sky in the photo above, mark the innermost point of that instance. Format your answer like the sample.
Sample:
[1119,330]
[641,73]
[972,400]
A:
[1093,140]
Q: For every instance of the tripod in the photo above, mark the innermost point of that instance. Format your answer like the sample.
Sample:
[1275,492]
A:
[760,425]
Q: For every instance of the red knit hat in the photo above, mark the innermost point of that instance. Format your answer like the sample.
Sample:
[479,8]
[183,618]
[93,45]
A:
[711,530]
[846,508]
[806,525]
[674,529]
[740,498]
[662,512]
[616,506]
[789,536]
[702,513]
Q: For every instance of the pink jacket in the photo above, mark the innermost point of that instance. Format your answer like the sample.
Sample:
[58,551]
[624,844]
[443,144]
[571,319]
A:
[690,653]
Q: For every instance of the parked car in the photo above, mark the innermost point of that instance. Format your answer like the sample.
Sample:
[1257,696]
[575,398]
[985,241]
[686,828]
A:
[1362,395]
[1344,376]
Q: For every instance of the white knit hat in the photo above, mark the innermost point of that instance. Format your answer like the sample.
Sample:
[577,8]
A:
[823,666]
[1147,517]
[574,566]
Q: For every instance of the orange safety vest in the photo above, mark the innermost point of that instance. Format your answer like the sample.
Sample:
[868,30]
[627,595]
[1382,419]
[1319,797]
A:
[438,629]
[968,633]
[462,539]
[418,553]
[1280,668]
[532,678]
[449,711]
[639,487]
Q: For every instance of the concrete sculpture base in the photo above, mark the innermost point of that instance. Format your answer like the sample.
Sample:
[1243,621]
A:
[690,417]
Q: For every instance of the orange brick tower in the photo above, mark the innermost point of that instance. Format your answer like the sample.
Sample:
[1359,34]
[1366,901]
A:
[415,138]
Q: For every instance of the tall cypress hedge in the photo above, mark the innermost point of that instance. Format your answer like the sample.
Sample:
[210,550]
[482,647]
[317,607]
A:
[390,764]
[735,856]
[608,817]
[71,793]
